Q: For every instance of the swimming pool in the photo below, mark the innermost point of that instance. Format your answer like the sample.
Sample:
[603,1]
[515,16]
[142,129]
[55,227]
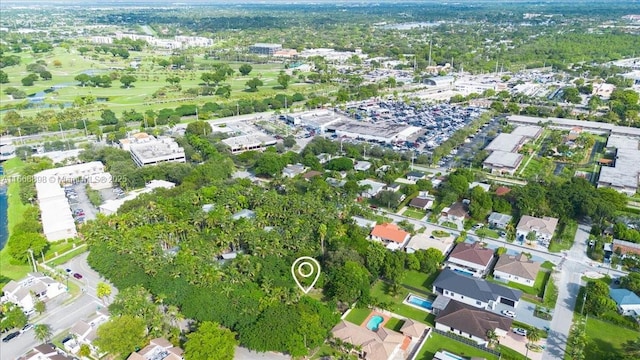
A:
[418,301]
[463,272]
[374,323]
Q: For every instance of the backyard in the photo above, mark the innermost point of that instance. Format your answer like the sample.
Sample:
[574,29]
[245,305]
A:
[439,342]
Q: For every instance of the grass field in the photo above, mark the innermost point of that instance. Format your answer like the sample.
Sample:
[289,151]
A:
[606,339]
[488,233]
[565,240]
[150,78]
[414,214]
[357,315]
[9,270]
[438,342]
[394,324]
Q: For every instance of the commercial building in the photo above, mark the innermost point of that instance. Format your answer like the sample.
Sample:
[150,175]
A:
[317,120]
[111,206]
[381,132]
[528,131]
[242,143]
[506,142]
[154,151]
[502,162]
[624,172]
[264,48]
[568,124]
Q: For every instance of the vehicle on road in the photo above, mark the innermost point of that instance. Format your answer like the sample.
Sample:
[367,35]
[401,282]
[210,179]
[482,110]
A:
[520,331]
[509,313]
[26,328]
[67,270]
[77,276]
[11,336]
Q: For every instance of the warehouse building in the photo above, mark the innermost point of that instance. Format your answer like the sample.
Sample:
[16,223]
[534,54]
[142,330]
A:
[624,174]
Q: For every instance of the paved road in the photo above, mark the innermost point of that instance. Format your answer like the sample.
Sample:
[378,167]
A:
[62,311]
[569,281]
[60,318]
[246,354]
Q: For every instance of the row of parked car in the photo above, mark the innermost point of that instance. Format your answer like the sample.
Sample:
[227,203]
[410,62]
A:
[15,334]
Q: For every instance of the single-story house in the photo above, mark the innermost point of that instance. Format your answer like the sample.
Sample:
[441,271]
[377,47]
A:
[484,186]
[311,174]
[472,259]
[544,228]
[473,291]
[518,269]
[628,302]
[458,211]
[471,322]
[415,176]
[383,344]
[292,171]
[362,166]
[374,187]
[324,158]
[158,348]
[498,220]
[390,234]
[395,187]
[421,203]
[29,290]
[625,247]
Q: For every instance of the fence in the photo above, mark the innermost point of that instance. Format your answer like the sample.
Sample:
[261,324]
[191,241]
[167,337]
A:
[467,341]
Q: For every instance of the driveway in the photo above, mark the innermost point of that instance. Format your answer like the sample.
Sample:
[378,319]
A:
[524,314]
[519,344]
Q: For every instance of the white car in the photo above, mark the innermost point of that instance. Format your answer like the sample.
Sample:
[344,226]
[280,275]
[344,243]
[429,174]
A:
[509,313]
[520,331]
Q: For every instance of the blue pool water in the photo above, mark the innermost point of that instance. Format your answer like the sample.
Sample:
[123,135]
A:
[416,300]
[463,272]
[374,322]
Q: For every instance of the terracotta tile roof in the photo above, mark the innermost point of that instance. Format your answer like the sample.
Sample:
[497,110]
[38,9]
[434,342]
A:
[412,328]
[546,225]
[472,320]
[390,232]
[473,253]
[502,190]
[519,266]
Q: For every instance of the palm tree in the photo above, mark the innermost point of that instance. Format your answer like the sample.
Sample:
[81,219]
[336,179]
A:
[492,337]
[532,336]
[42,332]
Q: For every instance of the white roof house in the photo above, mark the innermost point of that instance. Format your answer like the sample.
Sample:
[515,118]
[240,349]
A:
[375,187]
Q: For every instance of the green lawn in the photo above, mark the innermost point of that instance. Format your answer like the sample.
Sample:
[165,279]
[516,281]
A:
[414,214]
[605,340]
[394,303]
[394,324]
[449,224]
[438,342]
[63,259]
[9,270]
[357,315]
[420,280]
[566,236]
[487,233]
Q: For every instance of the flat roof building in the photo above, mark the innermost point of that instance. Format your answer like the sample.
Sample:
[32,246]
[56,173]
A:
[55,213]
[242,143]
[506,142]
[156,151]
[568,124]
[624,175]
[382,132]
[264,48]
[111,206]
[528,131]
[503,162]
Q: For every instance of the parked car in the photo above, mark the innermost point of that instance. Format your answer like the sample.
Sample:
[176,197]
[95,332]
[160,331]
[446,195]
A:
[520,331]
[11,336]
[509,313]
[77,276]
[26,328]
[67,270]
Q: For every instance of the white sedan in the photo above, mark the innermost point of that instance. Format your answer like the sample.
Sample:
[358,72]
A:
[509,313]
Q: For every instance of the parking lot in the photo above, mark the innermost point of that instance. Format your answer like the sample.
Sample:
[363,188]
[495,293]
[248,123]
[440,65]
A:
[81,207]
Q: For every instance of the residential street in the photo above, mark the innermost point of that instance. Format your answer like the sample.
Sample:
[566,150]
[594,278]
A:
[568,280]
